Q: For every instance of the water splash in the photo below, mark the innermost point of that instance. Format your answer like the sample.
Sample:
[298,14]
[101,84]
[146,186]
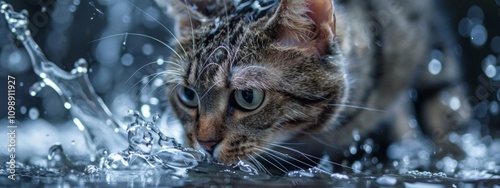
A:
[73,87]
[150,148]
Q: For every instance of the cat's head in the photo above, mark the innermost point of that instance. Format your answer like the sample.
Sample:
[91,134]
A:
[244,79]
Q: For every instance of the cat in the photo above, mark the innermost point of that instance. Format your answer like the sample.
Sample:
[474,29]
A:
[250,76]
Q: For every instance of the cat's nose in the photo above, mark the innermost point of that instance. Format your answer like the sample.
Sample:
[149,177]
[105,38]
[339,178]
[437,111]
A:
[208,145]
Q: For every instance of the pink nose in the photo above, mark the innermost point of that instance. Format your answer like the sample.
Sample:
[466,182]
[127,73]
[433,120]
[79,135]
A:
[208,145]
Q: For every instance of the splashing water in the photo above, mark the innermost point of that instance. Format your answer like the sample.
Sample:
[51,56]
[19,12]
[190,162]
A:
[73,87]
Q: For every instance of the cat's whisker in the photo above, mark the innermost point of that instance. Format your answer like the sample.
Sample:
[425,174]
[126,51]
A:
[321,141]
[295,159]
[357,107]
[255,158]
[204,68]
[238,49]
[275,158]
[314,157]
[140,35]
[130,77]
[270,152]
[138,82]
[277,167]
[259,165]
[173,89]
[164,27]
[287,143]
[150,63]
[155,75]
[215,50]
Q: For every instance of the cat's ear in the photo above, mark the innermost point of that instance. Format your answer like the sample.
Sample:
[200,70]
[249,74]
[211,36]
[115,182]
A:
[308,25]
[189,14]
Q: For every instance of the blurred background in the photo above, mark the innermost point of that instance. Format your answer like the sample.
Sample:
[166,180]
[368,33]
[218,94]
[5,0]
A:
[106,34]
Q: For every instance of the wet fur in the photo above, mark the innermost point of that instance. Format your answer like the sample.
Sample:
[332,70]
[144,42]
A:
[313,70]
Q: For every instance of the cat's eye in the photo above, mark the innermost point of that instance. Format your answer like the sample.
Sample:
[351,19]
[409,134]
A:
[249,99]
[187,96]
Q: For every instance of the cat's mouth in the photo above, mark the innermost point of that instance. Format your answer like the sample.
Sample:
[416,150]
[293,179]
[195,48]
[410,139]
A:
[209,146]
[225,152]
[213,149]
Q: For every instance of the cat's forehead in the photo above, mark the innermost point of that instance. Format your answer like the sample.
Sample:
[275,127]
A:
[233,23]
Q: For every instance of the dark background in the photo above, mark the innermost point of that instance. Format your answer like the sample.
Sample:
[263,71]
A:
[65,30]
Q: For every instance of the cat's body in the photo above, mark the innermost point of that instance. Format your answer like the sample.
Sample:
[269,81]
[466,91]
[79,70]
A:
[249,77]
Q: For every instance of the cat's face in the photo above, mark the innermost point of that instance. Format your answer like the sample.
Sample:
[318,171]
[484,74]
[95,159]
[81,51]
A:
[239,87]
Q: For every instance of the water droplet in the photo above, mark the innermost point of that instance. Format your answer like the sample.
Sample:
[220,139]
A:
[353,150]
[387,180]
[355,135]
[72,8]
[127,59]
[55,152]
[14,57]
[413,94]
[464,27]
[495,44]
[147,49]
[490,71]
[475,12]
[125,19]
[494,107]
[146,110]
[488,60]
[154,101]
[498,95]
[367,148]
[299,174]
[478,35]
[73,142]
[125,39]
[44,9]
[481,109]
[23,110]
[34,113]
[156,117]
[158,82]
[338,176]
[116,161]
[356,166]
[67,105]
[92,169]
[216,26]
[79,124]
[160,61]
[413,123]
[454,103]
[93,5]
[434,66]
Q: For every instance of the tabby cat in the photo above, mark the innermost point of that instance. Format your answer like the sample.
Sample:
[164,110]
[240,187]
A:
[251,75]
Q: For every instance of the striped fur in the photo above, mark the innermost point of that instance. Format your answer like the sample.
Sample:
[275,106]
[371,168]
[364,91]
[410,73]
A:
[312,69]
